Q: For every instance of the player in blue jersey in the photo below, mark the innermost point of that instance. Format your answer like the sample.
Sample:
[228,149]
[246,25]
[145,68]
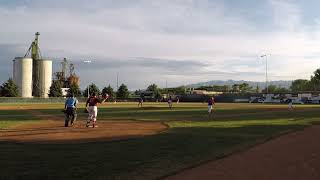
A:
[70,108]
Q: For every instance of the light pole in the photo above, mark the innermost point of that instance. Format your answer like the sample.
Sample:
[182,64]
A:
[117,81]
[88,62]
[266,56]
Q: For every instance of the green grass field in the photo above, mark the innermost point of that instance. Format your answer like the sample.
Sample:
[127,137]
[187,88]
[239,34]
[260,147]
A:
[191,140]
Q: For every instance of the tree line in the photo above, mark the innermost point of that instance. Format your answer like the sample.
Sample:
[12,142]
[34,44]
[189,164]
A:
[10,89]
[244,88]
[303,85]
[56,91]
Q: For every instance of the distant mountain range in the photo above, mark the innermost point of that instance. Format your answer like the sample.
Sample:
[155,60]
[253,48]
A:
[285,84]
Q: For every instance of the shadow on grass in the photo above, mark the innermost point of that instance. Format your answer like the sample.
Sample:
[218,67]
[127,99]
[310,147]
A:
[18,115]
[149,157]
[164,114]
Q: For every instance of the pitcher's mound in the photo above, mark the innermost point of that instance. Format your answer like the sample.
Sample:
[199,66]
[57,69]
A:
[54,132]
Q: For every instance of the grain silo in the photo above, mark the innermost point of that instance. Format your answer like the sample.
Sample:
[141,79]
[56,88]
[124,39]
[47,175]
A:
[42,78]
[22,75]
[41,72]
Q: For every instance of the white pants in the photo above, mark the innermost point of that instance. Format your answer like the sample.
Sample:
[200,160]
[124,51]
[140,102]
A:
[290,106]
[93,112]
[210,107]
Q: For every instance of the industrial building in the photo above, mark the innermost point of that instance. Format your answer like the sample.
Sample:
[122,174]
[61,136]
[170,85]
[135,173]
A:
[33,75]
[63,79]
[22,75]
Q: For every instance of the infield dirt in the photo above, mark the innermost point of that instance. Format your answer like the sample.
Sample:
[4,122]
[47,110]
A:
[51,130]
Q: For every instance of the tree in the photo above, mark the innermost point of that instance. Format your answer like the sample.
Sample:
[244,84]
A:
[137,92]
[152,87]
[316,75]
[109,90]
[123,91]
[244,87]
[156,91]
[225,88]
[300,85]
[275,89]
[315,80]
[282,90]
[9,89]
[157,95]
[92,89]
[257,90]
[217,88]
[235,88]
[271,89]
[55,89]
[75,90]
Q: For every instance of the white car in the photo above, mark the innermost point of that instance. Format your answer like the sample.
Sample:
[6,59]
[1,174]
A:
[297,101]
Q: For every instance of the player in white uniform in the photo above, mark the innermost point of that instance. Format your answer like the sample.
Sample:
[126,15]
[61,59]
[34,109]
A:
[170,102]
[211,103]
[92,108]
[290,105]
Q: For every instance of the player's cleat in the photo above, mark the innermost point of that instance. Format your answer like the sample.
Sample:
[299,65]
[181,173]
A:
[94,125]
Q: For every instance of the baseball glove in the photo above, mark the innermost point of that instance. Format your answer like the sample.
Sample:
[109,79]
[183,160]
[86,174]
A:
[105,96]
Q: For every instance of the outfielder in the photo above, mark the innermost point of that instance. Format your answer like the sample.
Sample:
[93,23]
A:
[290,105]
[93,109]
[140,102]
[170,102]
[211,103]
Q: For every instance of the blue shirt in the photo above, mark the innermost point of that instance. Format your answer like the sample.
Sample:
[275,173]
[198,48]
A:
[71,102]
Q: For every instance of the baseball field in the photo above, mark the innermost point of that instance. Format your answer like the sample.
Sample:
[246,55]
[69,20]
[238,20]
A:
[151,142]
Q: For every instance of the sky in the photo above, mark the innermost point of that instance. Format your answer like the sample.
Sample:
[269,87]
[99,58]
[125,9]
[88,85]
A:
[167,42]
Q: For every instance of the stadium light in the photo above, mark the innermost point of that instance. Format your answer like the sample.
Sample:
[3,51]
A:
[266,57]
[88,62]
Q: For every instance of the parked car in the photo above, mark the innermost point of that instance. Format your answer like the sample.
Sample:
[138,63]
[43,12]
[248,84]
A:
[297,101]
[257,100]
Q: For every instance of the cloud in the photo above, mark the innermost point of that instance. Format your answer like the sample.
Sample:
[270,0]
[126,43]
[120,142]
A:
[175,40]
[7,54]
[286,14]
